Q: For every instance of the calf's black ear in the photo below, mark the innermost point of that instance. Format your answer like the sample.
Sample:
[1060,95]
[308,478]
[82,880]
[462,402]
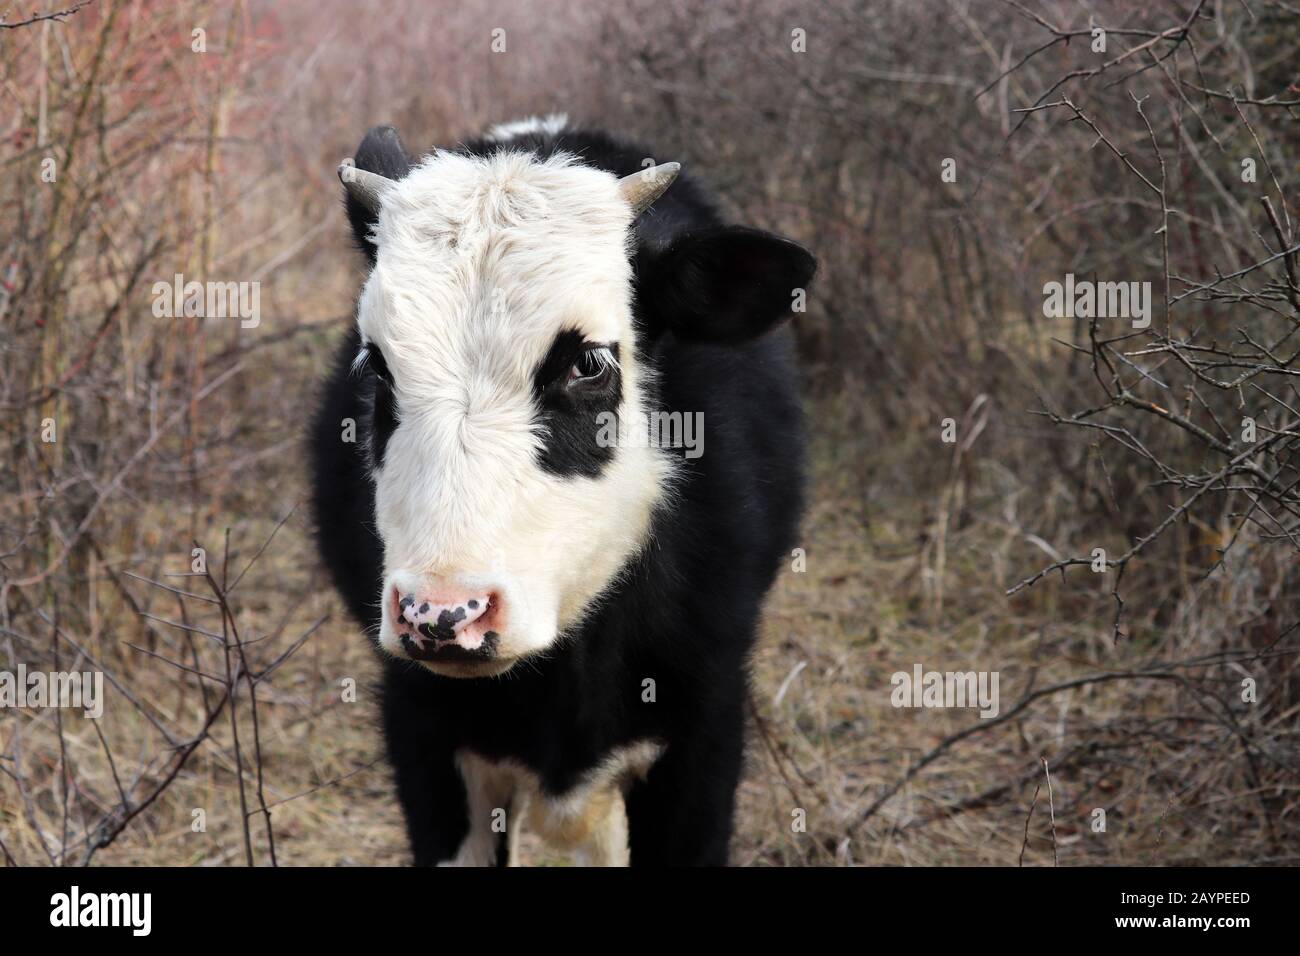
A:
[724,285]
[381,151]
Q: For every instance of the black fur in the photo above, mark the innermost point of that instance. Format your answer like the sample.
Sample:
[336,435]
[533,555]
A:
[383,402]
[684,612]
[382,152]
[572,415]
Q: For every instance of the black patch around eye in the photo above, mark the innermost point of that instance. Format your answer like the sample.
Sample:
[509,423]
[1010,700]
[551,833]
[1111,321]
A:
[571,418]
[376,362]
[564,351]
[383,415]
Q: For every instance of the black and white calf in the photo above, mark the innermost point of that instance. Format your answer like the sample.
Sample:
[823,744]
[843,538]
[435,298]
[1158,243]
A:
[565,620]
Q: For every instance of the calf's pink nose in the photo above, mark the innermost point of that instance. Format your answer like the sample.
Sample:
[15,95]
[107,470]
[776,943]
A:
[445,614]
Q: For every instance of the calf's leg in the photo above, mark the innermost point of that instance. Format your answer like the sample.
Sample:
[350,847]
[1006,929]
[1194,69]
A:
[681,813]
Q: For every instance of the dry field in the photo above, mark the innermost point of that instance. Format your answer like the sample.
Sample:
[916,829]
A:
[1127,692]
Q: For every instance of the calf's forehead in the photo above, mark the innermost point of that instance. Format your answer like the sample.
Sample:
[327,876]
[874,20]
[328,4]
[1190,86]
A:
[507,250]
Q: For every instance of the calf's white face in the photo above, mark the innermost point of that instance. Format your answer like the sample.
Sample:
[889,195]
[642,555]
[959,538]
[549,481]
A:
[496,325]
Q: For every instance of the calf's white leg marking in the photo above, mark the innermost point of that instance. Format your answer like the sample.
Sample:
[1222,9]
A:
[589,820]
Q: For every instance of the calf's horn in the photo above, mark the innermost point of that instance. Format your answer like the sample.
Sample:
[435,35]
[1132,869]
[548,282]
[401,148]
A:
[362,185]
[643,188]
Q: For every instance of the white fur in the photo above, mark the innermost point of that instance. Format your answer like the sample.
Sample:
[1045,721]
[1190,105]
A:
[549,125]
[481,262]
[589,820]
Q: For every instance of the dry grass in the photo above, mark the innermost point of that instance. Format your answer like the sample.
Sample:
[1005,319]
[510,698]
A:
[834,634]
[1169,772]
[180,431]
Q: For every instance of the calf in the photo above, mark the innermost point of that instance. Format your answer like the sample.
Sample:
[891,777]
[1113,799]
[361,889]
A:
[565,610]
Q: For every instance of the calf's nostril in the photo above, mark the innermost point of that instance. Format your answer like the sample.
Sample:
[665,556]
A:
[436,632]
[443,617]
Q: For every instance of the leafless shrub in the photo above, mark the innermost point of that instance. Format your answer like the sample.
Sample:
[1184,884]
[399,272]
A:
[1071,434]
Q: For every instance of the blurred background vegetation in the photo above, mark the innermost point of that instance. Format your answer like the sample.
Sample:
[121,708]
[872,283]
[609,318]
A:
[201,138]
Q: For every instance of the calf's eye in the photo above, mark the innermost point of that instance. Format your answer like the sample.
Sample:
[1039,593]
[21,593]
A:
[384,412]
[592,369]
